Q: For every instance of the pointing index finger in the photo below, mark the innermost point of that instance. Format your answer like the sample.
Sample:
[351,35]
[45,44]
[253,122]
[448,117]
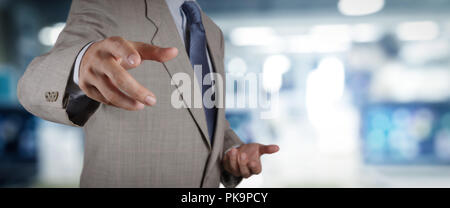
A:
[155,53]
[268,149]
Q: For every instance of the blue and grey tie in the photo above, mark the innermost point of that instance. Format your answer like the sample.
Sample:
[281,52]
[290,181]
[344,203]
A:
[197,55]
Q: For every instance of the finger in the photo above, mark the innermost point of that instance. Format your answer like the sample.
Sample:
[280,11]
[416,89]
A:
[114,96]
[268,149]
[255,167]
[226,162]
[123,51]
[155,53]
[125,82]
[94,94]
[242,161]
[233,162]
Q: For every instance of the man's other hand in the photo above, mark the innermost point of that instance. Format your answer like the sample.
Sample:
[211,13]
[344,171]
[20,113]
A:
[245,160]
[103,72]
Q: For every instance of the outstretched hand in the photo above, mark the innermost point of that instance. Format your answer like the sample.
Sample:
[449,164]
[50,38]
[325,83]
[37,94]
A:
[103,72]
[245,160]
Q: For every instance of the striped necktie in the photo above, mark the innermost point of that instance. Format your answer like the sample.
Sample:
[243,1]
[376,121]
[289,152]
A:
[198,57]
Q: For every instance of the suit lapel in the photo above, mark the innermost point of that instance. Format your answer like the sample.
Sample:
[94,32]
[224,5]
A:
[167,36]
[215,47]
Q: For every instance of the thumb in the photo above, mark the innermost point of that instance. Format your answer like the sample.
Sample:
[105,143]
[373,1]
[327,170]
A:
[268,149]
[155,53]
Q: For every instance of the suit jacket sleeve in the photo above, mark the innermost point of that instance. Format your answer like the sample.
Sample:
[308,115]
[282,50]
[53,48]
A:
[88,21]
[230,140]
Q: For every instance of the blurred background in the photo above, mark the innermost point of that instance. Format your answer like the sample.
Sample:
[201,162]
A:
[364,91]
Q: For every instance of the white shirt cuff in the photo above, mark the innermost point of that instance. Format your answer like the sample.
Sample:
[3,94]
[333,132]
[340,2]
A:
[76,69]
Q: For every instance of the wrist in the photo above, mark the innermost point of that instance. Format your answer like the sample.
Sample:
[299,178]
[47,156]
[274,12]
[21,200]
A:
[79,62]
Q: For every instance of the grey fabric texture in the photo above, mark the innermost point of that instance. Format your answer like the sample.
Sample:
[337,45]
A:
[160,146]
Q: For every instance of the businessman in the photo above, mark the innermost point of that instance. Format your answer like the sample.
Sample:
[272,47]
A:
[111,72]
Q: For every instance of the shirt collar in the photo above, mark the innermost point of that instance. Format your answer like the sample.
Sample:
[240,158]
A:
[175,5]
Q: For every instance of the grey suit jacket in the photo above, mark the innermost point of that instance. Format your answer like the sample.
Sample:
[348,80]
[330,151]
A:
[160,146]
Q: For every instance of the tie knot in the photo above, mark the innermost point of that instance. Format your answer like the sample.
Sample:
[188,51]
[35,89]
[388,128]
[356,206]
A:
[192,12]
